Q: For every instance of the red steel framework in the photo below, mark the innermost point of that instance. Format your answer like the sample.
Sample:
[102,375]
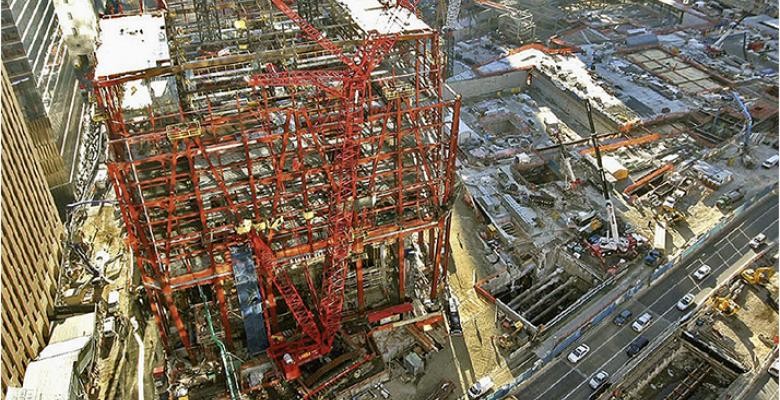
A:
[309,166]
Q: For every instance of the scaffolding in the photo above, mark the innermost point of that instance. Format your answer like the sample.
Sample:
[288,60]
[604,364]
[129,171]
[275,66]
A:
[325,151]
[514,24]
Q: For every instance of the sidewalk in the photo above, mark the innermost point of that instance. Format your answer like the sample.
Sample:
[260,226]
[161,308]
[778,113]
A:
[638,276]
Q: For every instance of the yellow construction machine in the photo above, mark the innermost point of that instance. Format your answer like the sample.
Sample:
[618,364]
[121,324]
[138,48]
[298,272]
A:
[725,305]
[507,340]
[758,276]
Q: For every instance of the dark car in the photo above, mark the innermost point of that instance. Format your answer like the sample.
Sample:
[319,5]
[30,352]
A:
[730,198]
[621,318]
[454,317]
[653,258]
[637,345]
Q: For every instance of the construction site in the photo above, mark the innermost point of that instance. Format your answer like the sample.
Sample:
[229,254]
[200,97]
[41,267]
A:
[731,333]
[285,177]
[429,200]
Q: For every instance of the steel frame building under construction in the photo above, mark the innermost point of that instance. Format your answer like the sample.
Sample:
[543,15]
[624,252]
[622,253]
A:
[291,164]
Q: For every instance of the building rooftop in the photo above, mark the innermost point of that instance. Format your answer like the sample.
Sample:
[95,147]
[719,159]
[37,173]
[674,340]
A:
[371,15]
[74,327]
[69,351]
[131,43]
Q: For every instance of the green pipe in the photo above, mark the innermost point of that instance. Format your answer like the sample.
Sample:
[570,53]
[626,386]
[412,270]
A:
[229,372]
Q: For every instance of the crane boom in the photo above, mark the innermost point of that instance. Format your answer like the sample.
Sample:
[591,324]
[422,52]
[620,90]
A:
[748,129]
[571,178]
[350,86]
[613,238]
[314,34]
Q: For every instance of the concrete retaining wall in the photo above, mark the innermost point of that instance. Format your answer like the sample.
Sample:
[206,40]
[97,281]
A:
[490,85]
[561,345]
[514,316]
[570,104]
[572,267]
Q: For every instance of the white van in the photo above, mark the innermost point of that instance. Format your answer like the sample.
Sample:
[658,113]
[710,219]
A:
[109,327]
[771,161]
[113,301]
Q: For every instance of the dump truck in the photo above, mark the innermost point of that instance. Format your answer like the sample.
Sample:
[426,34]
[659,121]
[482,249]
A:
[730,198]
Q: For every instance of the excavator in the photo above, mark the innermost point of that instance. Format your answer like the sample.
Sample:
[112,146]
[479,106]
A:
[507,340]
[725,305]
[758,276]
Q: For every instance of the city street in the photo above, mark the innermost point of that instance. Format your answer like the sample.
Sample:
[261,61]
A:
[764,388]
[608,342]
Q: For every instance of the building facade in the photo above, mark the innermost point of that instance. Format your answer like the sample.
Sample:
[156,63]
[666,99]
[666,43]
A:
[31,244]
[44,79]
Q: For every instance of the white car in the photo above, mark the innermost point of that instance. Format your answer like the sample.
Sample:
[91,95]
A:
[773,369]
[685,302]
[641,323]
[480,387]
[578,353]
[702,272]
[756,242]
[598,379]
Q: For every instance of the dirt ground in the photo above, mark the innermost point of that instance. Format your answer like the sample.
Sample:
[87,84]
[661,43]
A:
[116,371]
[702,214]
[673,374]
[102,231]
[700,218]
[755,320]
[437,368]
[474,354]
[478,317]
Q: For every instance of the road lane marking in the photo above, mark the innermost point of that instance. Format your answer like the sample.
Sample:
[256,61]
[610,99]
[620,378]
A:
[554,384]
[748,222]
[732,245]
[654,321]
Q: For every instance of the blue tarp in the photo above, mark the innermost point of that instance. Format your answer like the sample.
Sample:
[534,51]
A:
[249,299]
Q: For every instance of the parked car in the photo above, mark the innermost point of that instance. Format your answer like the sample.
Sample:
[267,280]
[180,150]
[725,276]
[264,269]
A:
[579,353]
[480,387]
[757,241]
[454,317]
[771,161]
[637,345]
[653,258]
[598,379]
[729,198]
[702,272]
[685,302]
[641,323]
[623,317]
[773,369]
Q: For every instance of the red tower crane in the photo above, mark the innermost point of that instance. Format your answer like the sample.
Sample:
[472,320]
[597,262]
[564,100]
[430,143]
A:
[317,339]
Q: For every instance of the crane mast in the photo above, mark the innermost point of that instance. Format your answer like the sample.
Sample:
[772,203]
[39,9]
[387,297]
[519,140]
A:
[571,178]
[612,241]
[320,324]
[747,131]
